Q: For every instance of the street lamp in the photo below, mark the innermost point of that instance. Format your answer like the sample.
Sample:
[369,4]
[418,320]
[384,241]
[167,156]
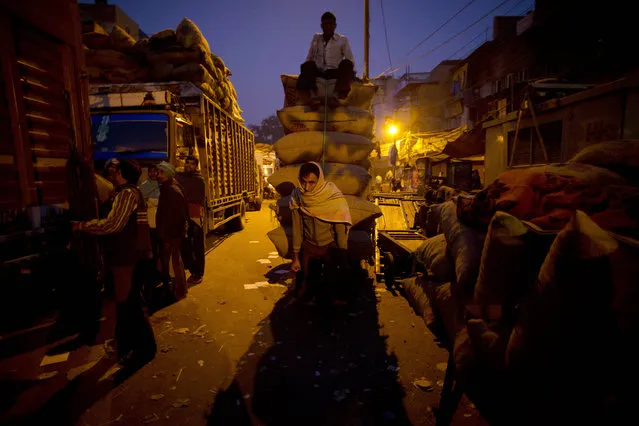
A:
[392,129]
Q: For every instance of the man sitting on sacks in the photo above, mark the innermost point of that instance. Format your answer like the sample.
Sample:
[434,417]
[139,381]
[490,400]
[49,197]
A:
[321,220]
[329,57]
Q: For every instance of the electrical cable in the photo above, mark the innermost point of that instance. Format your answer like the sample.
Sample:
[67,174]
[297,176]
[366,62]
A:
[390,62]
[448,40]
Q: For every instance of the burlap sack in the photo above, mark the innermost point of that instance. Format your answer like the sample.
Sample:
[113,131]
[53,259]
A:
[308,146]
[433,255]
[360,244]
[350,179]
[360,210]
[121,40]
[95,37]
[174,57]
[343,119]
[190,36]
[621,157]
[108,58]
[465,246]
[163,40]
[361,95]
[563,349]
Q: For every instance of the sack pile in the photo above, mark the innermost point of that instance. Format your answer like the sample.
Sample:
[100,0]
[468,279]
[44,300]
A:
[182,54]
[342,145]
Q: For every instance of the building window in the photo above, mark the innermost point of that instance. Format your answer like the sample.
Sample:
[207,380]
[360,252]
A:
[528,150]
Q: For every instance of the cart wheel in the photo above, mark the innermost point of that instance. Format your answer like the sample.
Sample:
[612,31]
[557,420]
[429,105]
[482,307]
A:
[389,268]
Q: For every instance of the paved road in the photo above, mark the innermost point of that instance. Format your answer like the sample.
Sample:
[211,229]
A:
[236,356]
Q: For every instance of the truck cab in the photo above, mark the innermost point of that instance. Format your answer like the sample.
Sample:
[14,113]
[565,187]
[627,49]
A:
[148,127]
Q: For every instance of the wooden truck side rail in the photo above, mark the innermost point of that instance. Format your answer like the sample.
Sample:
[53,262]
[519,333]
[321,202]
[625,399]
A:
[227,161]
[45,110]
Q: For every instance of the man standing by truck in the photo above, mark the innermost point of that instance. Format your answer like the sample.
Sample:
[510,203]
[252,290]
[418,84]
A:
[171,221]
[195,192]
[329,57]
[126,242]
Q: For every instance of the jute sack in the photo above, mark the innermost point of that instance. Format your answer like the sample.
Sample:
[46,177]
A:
[360,210]
[308,146]
[190,36]
[360,244]
[353,120]
[121,40]
[95,37]
[350,179]
[360,96]
[107,58]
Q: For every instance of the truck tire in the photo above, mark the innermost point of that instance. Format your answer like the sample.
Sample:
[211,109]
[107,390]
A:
[237,223]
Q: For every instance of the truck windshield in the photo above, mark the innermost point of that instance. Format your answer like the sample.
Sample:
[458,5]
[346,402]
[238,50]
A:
[130,135]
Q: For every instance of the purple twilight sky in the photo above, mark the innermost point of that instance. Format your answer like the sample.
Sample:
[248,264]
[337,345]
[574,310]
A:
[261,39]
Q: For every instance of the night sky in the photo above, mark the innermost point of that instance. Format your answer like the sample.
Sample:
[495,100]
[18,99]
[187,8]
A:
[261,39]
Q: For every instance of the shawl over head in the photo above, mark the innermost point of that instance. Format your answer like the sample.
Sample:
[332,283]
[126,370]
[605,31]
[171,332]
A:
[325,202]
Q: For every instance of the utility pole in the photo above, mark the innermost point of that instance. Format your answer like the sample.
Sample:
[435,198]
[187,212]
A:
[366,39]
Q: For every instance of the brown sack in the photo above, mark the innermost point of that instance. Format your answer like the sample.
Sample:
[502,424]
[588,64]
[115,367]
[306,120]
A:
[121,40]
[108,59]
[95,37]
[190,36]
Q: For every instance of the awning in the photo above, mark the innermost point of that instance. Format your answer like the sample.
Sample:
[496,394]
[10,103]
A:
[467,145]
[427,144]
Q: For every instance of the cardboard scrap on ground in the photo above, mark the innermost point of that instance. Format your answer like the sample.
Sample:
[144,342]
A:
[54,359]
[423,384]
[273,256]
[264,261]
[256,285]
[75,372]
[46,376]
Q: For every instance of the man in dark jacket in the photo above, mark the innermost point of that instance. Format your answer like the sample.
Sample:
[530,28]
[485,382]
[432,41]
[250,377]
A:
[171,222]
[126,242]
[195,191]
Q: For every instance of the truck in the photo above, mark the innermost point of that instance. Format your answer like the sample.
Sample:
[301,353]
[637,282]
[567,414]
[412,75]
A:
[168,121]
[44,122]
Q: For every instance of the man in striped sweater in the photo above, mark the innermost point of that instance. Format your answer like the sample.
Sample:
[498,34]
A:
[125,242]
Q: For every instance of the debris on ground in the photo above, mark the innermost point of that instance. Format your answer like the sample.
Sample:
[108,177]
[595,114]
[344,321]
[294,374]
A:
[75,372]
[440,383]
[54,359]
[179,374]
[182,330]
[442,366]
[157,396]
[340,395]
[423,384]
[201,363]
[150,418]
[110,372]
[46,376]
[181,403]
[264,261]
[165,349]
[254,242]
[200,330]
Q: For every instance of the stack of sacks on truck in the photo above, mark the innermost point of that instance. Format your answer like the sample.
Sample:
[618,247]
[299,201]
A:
[534,283]
[343,150]
[113,57]
[182,54]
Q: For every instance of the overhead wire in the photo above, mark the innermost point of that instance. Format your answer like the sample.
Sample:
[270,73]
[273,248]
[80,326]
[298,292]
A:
[482,32]
[428,37]
[448,40]
[390,62]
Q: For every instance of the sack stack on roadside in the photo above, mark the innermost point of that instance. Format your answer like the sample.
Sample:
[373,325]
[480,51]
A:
[182,54]
[339,140]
